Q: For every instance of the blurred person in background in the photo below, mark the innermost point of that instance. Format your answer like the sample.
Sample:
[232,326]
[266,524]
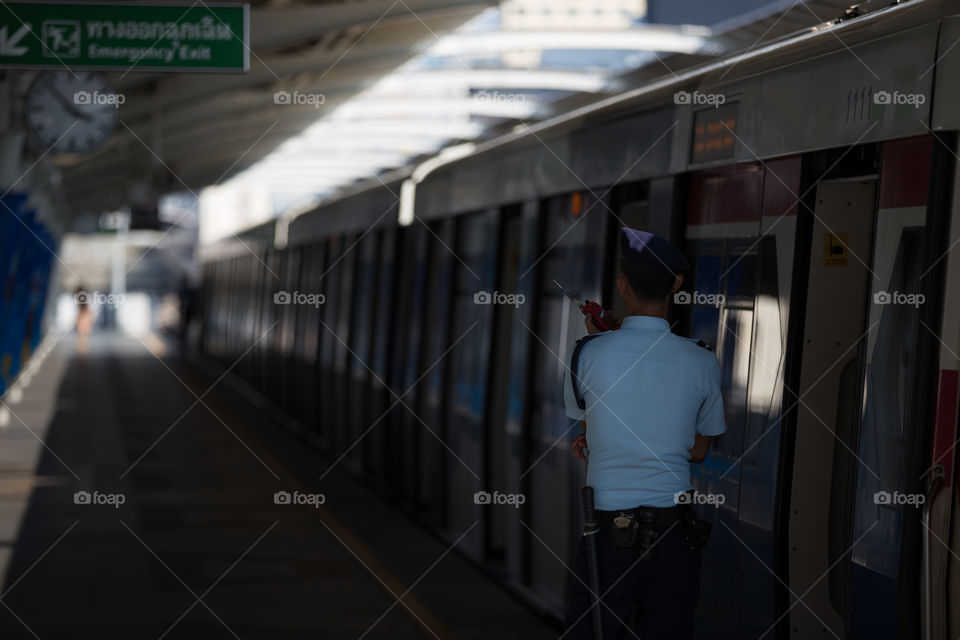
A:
[84,319]
[188,307]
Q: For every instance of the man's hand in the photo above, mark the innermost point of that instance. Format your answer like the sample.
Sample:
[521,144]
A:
[612,321]
[579,446]
[700,449]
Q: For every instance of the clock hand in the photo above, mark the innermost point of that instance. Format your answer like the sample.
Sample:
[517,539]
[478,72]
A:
[69,107]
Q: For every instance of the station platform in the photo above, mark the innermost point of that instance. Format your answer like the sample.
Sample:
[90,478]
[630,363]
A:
[138,500]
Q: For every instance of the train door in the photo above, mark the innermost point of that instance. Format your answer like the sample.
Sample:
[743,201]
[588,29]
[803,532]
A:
[287,328]
[272,325]
[897,391]
[307,337]
[433,394]
[246,279]
[839,281]
[516,421]
[331,363]
[723,225]
[500,521]
[741,227]
[360,400]
[269,324]
[406,449]
[573,246]
[263,307]
[474,296]
[381,385]
[341,332]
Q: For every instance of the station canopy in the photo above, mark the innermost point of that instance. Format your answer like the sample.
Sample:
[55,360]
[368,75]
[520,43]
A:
[342,92]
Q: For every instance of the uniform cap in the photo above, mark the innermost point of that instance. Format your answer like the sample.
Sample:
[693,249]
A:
[651,251]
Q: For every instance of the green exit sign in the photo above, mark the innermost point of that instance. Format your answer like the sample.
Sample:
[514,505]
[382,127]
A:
[116,36]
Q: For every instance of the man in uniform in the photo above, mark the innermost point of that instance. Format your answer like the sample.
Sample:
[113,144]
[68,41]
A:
[649,403]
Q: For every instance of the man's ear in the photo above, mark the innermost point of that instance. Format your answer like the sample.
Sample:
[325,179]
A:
[677,282]
[623,287]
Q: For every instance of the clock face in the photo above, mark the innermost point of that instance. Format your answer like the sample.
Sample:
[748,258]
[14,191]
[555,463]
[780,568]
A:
[72,112]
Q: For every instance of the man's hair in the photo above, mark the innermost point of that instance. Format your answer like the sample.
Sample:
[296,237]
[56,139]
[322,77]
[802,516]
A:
[647,284]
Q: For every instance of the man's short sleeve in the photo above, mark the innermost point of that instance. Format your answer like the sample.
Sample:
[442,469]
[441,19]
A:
[710,418]
[569,401]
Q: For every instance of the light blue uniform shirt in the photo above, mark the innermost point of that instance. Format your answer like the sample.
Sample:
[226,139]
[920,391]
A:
[647,392]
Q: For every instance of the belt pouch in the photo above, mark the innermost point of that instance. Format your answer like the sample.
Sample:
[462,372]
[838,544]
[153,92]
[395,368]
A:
[624,529]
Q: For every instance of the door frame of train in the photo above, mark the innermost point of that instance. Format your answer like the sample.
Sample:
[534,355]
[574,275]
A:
[940,198]
[939,203]
[830,322]
[832,164]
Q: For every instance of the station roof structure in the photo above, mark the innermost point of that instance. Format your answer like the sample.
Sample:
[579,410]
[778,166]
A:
[375,85]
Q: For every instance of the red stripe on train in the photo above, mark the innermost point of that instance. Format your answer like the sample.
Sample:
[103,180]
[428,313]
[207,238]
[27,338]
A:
[726,194]
[905,172]
[744,192]
[782,187]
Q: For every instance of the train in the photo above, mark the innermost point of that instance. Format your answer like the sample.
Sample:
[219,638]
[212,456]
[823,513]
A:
[410,326]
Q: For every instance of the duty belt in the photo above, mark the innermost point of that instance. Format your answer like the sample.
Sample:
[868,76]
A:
[660,515]
[639,528]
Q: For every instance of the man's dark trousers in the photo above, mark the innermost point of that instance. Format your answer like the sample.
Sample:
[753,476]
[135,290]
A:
[663,589]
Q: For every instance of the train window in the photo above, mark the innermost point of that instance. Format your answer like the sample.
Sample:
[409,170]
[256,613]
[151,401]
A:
[703,324]
[632,210]
[892,368]
[767,347]
[741,275]
[735,360]
[708,273]
[725,321]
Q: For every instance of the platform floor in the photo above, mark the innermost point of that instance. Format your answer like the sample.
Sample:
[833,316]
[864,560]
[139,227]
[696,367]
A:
[199,549]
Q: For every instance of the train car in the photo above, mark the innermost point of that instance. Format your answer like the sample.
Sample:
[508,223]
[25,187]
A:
[812,183]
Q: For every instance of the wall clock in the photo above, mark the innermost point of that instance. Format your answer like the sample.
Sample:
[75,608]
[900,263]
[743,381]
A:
[71,112]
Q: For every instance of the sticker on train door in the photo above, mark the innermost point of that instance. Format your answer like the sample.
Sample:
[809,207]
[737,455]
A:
[836,249]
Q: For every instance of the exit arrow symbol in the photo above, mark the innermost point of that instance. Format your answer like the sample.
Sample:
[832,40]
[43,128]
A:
[8,45]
